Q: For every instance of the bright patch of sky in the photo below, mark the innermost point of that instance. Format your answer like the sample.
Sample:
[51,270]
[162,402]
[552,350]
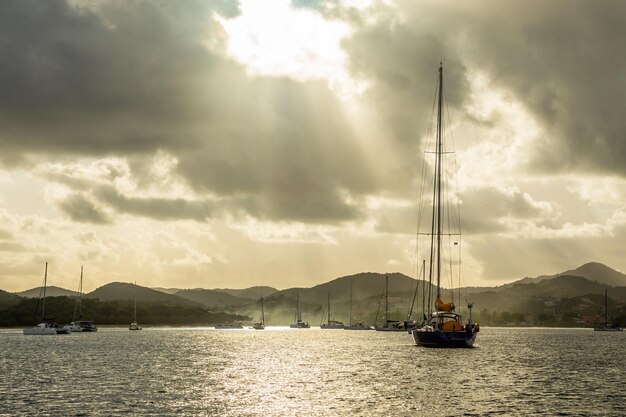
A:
[273,38]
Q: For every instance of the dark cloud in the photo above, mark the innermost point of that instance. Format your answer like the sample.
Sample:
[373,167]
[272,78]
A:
[156,208]
[564,60]
[82,210]
[135,79]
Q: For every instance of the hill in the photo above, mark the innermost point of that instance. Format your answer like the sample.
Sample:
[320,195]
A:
[127,291]
[8,298]
[114,312]
[593,271]
[211,298]
[251,293]
[51,291]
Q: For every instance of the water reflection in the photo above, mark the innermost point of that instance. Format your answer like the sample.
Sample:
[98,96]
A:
[201,371]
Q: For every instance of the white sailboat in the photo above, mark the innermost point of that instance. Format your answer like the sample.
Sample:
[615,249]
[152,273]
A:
[46,327]
[330,324]
[355,325]
[260,325]
[298,323]
[80,325]
[444,327]
[134,325]
[390,325]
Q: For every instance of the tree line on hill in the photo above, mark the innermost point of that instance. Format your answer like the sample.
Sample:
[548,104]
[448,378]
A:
[27,311]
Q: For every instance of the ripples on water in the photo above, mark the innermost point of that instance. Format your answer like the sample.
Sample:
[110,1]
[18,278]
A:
[311,373]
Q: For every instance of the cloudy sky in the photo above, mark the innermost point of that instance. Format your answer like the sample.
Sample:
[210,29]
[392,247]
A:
[277,142]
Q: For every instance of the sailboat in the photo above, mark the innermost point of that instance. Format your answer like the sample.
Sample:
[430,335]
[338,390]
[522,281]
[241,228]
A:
[355,325]
[606,326]
[298,323]
[134,325]
[81,325]
[443,327]
[261,324]
[47,326]
[330,324]
[390,325]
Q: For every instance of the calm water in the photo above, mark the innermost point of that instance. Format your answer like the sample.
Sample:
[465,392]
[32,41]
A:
[313,372]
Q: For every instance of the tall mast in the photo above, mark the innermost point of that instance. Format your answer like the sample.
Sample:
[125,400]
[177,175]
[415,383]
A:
[606,310]
[386,298]
[135,292]
[262,312]
[80,295]
[329,307]
[350,301]
[45,283]
[439,152]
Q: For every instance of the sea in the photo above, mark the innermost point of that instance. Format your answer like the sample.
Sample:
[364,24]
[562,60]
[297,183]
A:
[164,371]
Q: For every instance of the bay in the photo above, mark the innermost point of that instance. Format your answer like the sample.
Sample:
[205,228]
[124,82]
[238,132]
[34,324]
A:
[279,371]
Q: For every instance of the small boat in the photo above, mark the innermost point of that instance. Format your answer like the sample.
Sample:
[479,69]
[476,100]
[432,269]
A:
[606,326]
[330,324]
[47,326]
[80,325]
[443,327]
[355,325]
[298,323]
[134,325]
[390,325]
[260,325]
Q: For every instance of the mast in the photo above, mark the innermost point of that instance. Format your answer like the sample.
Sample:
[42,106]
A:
[298,314]
[386,298]
[262,312]
[351,301]
[606,310]
[80,295]
[329,307]
[439,152]
[135,292]
[45,283]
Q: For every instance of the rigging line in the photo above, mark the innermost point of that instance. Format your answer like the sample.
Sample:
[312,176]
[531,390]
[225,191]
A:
[421,200]
[458,212]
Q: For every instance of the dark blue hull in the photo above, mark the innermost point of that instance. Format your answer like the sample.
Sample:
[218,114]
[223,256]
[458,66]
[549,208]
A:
[440,338]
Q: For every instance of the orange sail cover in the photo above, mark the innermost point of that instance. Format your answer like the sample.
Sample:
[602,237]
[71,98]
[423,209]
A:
[441,306]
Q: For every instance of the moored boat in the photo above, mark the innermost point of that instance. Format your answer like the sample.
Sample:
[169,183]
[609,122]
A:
[298,323]
[443,327]
[357,324]
[260,325]
[330,324]
[606,326]
[46,326]
[80,325]
[390,325]
[134,325]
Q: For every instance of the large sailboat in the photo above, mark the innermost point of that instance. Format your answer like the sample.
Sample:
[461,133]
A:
[443,327]
[47,326]
[80,325]
[390,325]
[330,324]
[134,325]
[355,325]
[298,323]
[606,326]
[260,325]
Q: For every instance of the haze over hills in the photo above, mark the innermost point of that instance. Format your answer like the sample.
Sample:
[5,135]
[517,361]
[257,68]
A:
[585,284]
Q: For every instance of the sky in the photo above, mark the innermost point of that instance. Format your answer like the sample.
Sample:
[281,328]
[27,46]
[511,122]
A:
[230,144]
